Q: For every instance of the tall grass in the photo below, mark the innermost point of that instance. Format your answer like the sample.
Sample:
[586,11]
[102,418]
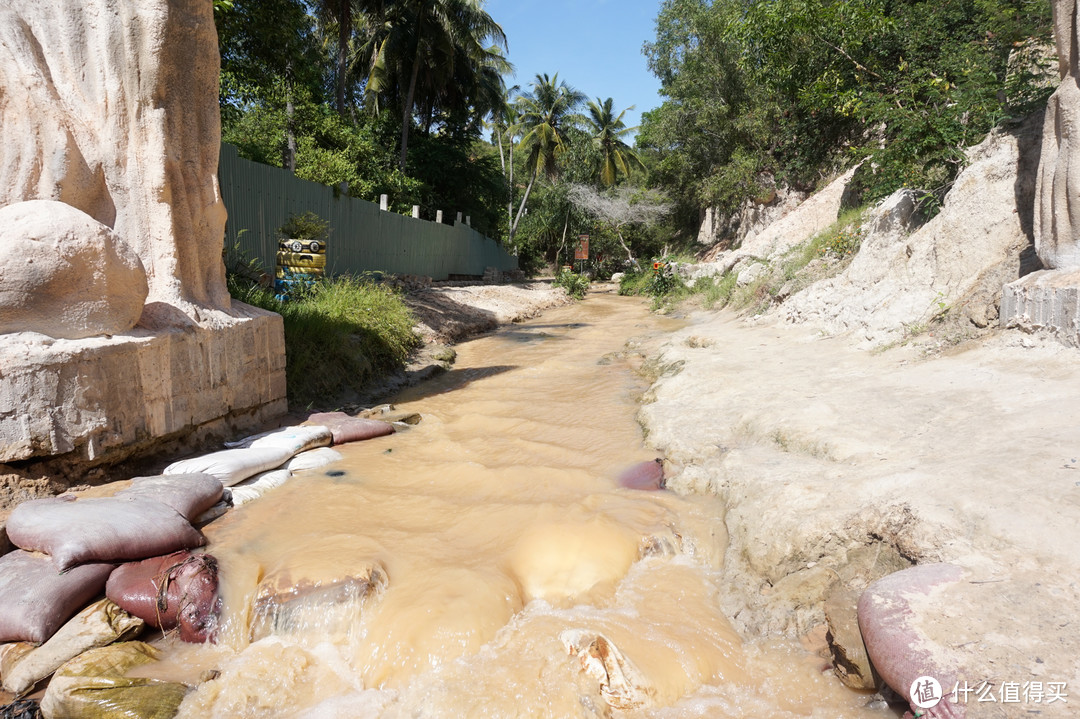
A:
[340,334]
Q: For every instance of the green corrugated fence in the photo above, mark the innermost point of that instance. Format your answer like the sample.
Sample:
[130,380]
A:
[363,238]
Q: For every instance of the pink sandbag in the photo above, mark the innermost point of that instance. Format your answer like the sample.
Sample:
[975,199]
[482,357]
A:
[177,590]
[188,494]
[644,475]
[347,428]
[36,600]
[899,650]
[100,529]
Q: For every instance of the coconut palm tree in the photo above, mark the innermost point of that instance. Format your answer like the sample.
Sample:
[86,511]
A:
[607,130]
[432,49]
[546,112]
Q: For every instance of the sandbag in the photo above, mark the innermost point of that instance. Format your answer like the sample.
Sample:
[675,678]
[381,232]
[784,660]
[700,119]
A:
[230,466]
[258,485]
[100,529]
[644,475]
[176,590]
[98,625]
[295,439]
[12,654]
[346,428]
[93,686]
[188,494]
[899,649]
[36,599]
[312,459]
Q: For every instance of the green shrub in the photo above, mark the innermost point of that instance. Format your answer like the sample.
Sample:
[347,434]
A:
[340,334]
[633,283]
[575,285]
[306,226]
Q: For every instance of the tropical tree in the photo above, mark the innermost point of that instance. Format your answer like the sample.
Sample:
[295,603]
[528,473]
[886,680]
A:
[436,49]
[616,157]
[546,113]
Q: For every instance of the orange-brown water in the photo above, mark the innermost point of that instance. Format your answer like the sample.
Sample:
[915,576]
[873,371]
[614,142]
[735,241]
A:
[485,564]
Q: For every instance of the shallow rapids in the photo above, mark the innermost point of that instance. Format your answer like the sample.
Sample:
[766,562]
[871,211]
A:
[485,564]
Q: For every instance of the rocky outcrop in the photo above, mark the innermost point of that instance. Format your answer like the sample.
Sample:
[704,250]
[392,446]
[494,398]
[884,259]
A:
[752,218]
[796,226]
[66,275]
[950,268]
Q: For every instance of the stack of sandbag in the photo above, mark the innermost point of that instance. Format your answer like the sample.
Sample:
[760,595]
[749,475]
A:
[98,625]
[178,590]
[69,546]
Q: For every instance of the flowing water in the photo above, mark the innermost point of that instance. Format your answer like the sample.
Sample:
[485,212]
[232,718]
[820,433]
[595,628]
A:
[485,564]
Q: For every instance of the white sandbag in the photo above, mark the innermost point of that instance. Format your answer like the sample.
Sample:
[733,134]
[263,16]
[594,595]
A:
[258,485]
[296,439]
[98,625]
[231,466]
[312,459]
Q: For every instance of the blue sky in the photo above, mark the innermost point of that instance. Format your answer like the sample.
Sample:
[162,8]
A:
[595,45]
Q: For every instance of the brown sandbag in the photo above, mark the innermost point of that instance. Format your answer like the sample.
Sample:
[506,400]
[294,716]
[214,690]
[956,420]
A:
[36,599]
[176,590]
[346,428]
[644,475]
[93,685]
[100,529]
[98,625]
[188,494]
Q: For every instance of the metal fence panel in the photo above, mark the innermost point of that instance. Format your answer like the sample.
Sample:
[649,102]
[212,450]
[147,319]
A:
[260,198]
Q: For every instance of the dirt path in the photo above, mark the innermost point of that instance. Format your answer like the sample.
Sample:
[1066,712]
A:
[839,466]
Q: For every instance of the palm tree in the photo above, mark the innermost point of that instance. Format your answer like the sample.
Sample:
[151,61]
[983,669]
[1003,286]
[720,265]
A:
[340,14]
[607,132]
[546,112]
[427,47]
[504,124]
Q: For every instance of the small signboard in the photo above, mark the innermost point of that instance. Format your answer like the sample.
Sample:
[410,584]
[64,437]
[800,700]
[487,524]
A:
[581,252]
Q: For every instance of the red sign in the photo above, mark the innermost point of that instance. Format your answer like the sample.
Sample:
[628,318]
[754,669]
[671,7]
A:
[581,252]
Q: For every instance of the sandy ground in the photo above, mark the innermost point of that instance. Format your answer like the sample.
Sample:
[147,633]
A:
[449,313]
[840,465]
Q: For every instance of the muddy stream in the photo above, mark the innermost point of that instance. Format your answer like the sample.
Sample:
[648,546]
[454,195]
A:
[485,564]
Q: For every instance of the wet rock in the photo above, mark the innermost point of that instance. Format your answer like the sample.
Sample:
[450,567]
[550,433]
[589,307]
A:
[845,641]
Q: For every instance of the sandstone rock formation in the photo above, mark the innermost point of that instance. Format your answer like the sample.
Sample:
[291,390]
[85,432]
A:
[66,275]
[796,226]
[1057,209]
[753,217]
[112,128]
[952,267]
[111,107]
[1050,299]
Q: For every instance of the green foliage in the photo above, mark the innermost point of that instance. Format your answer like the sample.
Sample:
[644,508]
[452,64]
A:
[843,243]
[791,90]
[305,226]
[664,279]
[634,283]
[340,334]
[575,285]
